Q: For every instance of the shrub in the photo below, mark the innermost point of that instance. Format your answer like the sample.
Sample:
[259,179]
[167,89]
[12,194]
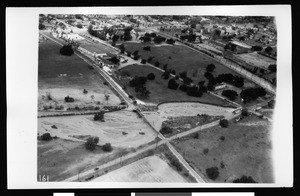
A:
[41,26]
[66,50]
[91,143]
[147,48]
[128,54]
[151,76]
[143,61]
[150,59]
[212,172]
[224,123]
[85,91]
[46,137]
[196,136]
[222,138]
[107,147]
[244,179]
[205,150]
[69,99]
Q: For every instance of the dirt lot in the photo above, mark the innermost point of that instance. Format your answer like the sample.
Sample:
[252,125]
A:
[60,159]
[149,169]
[245,150]
[159,88]
[61,76]
[172,110]
[121,128]
[180,58]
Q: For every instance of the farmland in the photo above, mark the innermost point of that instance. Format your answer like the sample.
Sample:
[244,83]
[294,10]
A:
[60,76]
[244,150]
[149,169]
[257,60]
[159,88]
[179,58]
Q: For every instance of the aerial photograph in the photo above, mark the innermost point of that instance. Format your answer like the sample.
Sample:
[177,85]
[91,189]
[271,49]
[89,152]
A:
[156,98]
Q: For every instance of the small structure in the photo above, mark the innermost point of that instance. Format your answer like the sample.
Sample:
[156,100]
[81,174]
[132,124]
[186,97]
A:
[220,86]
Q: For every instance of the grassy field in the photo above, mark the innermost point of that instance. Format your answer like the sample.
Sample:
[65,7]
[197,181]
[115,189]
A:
[159,88]
[180,58]
[61,159]
[245,150]
[257,60]
[68,75]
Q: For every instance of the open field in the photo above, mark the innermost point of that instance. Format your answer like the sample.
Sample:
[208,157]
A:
[121,128]
[257,60]
[245,150]
[149,169]
[97,48]
[173,110]
[159,88]
[62,76]
[60,159]
[180,58]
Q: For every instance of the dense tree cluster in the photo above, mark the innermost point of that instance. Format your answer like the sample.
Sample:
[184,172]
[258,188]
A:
[250,94]
[91,143]
[231,94]
[256,48]
[244,179]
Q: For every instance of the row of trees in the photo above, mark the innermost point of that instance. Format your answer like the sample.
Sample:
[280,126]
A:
[92,142]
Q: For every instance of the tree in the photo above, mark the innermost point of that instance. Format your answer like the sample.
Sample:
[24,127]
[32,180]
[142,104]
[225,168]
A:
[256,48]
[208,75]
[224,123]
[156,64]
[183,74]
[166,130]
[244,179]
[150,59]
[166,74]
[127,34]
[107,147]
[210,67]
[183,88]
[172,84]
[231,94]
[91,143]
[41,26]
[99,116]
[170,41]
[151,76]
[85,91]
[79,26]
[271,103]
[147,48]
[212,172]
[194,91]
[66,50]
[143,61]
[187,80]
[122,48]
[272,68]
[252,93]
[136,52]
[152,34]
[268,49]
[238,81]
[46,137]
[146,39]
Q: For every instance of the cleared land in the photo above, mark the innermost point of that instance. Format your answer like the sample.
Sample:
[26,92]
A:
[257,60]
[62,76]
[245,150]
[60,158]
[179,58]
[121,128]
[159,88]
[173,110]
[149,169]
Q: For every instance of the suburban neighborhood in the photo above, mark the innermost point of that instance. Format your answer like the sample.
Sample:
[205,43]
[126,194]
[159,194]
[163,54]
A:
[156,98]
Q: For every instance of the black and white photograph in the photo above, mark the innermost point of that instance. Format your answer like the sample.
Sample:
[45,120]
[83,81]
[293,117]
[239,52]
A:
[162,98]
